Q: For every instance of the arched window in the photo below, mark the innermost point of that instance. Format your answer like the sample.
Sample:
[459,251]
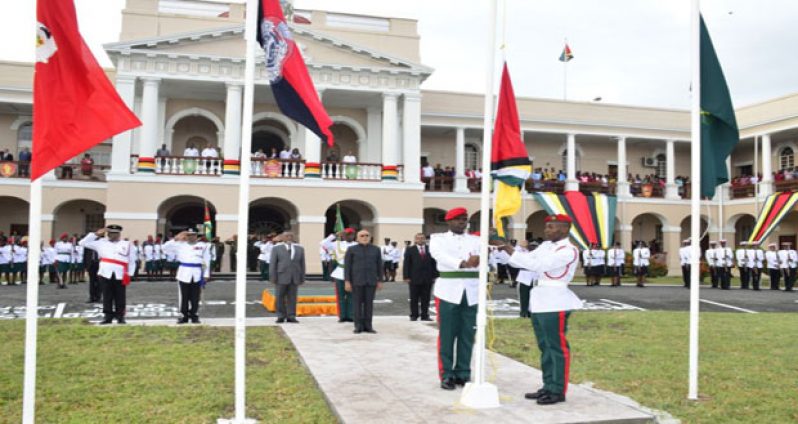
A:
[662,165]
[786,158]
[24,136]
[471,157]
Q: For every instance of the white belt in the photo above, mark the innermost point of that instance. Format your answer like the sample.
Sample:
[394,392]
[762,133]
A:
[552,283]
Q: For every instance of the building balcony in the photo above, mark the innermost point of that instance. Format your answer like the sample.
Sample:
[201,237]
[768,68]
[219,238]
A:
[67,171]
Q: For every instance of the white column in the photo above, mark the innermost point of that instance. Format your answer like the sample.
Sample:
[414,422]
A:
[149,118]
[622,184]
[389,129]
[671,190]
[766,187]
[460,180]
[373,152]
[231,150]
[120,149]
[312,141]
[411,137]
[571,184]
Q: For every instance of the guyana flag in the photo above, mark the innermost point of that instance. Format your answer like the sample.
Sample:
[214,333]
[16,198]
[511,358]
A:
[339,222]
[207,225]
[566,54]
[509,161]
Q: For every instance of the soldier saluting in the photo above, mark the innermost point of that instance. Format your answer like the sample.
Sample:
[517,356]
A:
[551,303]
[192,274]
[117,265]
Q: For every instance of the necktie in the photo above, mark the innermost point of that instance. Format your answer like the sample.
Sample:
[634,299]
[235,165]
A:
[421,251]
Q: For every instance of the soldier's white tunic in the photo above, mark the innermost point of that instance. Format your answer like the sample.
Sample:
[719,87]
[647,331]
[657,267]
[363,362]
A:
[195,260]
[450,250]
[555,262]
[119,258]
[64,250]
[337,249]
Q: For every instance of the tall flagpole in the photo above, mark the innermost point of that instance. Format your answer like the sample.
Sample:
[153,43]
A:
[479,393]
[31,311]
[695,197]
[250,35]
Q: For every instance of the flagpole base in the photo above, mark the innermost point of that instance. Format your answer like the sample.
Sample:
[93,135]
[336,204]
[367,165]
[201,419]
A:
[234,421]
[480,396]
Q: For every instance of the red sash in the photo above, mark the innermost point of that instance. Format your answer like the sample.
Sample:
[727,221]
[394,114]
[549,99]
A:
[125,276]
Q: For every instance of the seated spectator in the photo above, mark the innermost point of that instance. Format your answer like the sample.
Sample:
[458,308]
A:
[349,158]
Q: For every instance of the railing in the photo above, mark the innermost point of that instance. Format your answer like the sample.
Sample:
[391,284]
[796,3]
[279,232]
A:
[742,191]
[188,165]
[597,187]
[14,169]
[278,168]
[786,185]
[77,171]
[352,171]
[654,190]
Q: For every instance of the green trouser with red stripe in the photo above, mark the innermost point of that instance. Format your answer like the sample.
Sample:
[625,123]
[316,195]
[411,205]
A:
[456,329]
[555,353]
[344,300]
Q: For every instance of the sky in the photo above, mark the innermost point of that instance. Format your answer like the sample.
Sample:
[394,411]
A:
[634,52]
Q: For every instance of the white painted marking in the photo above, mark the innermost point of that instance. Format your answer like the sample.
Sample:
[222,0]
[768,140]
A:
[723,305]
[383,301]
[624,305]
[59,310]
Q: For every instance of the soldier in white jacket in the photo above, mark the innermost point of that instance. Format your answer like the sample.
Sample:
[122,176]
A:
[743,265]
[641,260]
[711,256]
[63,249]
[772,258]
[20,258]
[193,272]
[6,260]
[615,260]
[265,246]
[117,262]
[792,260]
[684,260]
[756,258]
[725,263]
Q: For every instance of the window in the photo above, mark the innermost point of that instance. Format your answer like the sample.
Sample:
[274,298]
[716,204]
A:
[471,157]
[662,166]
[25,136]
[786,158]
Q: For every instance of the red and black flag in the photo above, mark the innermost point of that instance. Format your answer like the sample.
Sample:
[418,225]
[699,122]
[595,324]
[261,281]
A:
[288,76]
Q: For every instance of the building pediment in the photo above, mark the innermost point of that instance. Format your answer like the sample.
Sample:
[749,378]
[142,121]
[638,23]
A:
[321,51]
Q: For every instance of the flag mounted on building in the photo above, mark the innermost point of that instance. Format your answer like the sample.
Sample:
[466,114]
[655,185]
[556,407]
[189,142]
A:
[207,224]
[291,84]
[75,106]
[509,163]
[719,133]
[566,54]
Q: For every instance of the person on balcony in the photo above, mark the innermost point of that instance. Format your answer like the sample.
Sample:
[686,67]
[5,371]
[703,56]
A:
[349,158]
[86,165]
[191,151]
[285,154]
[209,153]
[295,155]
[350,170]
[427,173]
[274,154]
[25,157]
[162,154]
[6,156]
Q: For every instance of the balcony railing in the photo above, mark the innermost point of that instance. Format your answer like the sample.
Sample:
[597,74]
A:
[786,185]
[67,171]
[647,190]
[14,169]
[742,191]
[273,168]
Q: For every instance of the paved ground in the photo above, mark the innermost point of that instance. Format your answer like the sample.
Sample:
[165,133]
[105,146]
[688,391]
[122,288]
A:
[364,385]
[152,300]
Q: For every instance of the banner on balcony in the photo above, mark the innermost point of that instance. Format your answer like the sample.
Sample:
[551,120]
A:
[777,206]
[593,215]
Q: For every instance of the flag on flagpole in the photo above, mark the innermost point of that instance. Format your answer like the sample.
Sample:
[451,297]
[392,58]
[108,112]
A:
[566,54]
[339,221]
[719,133]
[509,164]
[207,224]
[75,105]
[292,87]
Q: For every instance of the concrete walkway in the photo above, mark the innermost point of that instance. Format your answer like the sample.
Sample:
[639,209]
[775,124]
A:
[391,377]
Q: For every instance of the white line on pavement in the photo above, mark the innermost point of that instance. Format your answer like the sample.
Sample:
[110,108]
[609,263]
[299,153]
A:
[723,305]
[59,310]
[625,305]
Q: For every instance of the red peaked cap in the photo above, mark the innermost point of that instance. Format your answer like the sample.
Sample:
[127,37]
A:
[558,218]
[454,213]
[349,230]
[64,235]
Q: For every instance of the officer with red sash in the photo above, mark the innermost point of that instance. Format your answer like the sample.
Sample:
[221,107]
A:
[551,303]
[117,265]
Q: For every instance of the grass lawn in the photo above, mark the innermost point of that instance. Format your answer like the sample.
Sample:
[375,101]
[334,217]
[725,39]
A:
[91,374]
[748,363]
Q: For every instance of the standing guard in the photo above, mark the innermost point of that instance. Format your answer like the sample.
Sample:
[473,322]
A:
[711,257]
[684,259]
[772,257]
[193,272]
[725,258]
[116,267]
[743,265]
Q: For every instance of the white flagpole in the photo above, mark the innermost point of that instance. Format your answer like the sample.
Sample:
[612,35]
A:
[31,311]
[250,35]
[695,198]
[479,393]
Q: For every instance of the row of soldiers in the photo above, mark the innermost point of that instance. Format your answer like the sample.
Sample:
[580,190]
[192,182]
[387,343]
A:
[750,260]
[62,262]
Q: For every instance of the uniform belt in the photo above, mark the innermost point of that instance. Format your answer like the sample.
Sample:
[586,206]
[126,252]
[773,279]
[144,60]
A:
[552,283]
[189,265]
[458,274]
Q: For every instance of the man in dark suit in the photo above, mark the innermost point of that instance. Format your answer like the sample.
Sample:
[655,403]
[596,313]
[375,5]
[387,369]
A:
[363,277]
[419,271]
[287,272]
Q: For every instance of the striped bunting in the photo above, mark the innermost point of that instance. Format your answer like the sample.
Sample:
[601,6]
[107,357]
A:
[777,206]
[593,215]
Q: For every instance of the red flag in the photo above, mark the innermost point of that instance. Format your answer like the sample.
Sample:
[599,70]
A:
[75,106]
[291,84]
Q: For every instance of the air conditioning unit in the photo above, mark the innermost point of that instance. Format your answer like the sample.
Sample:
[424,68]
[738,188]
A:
[650,162]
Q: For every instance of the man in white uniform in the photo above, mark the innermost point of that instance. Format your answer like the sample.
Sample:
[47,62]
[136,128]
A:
[684,260]
[551,303]
[743,265]
[772,257]
[193,272]
[615,259]
[6,260]
[711,256]
[20,266]
[756,258]
[265,246]
[117,265]
[640,260]
[725,263]
[63,249]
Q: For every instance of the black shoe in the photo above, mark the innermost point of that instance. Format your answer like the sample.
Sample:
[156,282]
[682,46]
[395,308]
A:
[427,319]
[357,331]
[106,322]
[371,331]
[551,399]
[536,395]
[413,318]
[195,320]
[461,381]
[182,320]
[448,384]
[341,320]
[293,321]
[280,320]
[121,321]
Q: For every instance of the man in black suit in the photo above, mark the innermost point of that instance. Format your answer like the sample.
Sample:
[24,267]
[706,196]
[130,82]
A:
[363,277]
[419,271]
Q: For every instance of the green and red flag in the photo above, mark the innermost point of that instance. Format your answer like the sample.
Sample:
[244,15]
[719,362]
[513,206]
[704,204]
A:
[339,221]
[566,54]
[207,224]
[777,206]
[719,133]
[509,162]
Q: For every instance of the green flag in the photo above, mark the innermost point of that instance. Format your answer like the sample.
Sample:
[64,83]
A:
[719,133]
[339,222]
